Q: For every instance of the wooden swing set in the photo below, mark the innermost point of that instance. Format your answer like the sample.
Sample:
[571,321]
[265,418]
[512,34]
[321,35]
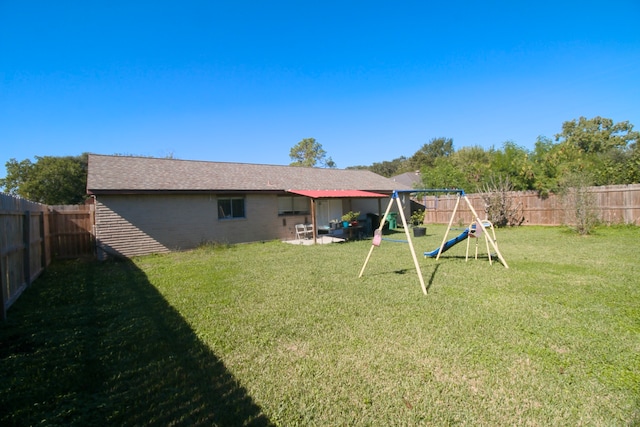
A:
[477,228]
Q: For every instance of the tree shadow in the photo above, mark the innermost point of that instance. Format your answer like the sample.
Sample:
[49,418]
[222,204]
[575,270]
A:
[95,343]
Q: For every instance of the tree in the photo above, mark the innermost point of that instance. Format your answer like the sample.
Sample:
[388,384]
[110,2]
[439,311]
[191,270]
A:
[633,169]
[444,174]
[389,168]
[428,153]
[475,165]
[514,163]
[465,169]
[600,146]
[597,135]
[608,151]
[545,170]
[501,206]
[50,180]
[579,202]
[309,153]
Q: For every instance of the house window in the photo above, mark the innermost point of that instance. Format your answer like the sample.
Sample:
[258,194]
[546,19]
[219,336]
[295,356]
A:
[231,207]
[293,205]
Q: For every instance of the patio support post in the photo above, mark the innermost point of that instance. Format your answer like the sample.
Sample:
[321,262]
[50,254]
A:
[313,220]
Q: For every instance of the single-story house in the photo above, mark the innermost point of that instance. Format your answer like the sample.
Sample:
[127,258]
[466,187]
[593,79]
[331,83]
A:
[151,205]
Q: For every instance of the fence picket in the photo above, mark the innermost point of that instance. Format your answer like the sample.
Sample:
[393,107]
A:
[31,235]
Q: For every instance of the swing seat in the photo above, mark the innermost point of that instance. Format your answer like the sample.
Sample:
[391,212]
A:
[377,238]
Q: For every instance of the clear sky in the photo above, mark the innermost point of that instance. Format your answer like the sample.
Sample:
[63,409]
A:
[244,81]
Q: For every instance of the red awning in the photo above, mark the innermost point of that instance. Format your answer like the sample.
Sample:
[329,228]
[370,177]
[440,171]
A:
[341,194]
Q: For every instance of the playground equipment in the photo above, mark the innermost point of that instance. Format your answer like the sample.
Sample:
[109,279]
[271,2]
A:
[377,237]
[477,228]
[476,232]
[473,231]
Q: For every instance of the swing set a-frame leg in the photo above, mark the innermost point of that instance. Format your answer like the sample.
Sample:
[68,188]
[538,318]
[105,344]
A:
[484,230]
[479,221]
[413,251]
[366,261]
[406,230]
[446,234]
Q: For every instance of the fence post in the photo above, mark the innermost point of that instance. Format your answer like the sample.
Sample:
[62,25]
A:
[26,238]
[3,310]
[43,243]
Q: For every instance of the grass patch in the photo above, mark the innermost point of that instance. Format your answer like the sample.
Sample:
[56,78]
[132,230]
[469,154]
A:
[280,334]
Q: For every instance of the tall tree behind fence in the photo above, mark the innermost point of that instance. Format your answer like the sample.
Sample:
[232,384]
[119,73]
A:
[613,204]
[31,235]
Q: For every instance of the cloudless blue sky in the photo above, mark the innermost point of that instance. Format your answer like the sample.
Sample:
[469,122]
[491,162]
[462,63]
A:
[244,81]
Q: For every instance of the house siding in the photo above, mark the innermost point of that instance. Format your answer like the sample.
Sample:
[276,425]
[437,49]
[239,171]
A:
[131,225]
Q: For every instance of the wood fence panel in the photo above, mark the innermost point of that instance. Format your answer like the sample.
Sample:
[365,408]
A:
[539,211]
[31,235]
[47,256]
[614,204]
[22,247]
[11,257]
[618,203]
[71,231]
[36,244]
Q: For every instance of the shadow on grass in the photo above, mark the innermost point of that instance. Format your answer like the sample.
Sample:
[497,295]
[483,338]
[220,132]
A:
[432,277]
[95,344]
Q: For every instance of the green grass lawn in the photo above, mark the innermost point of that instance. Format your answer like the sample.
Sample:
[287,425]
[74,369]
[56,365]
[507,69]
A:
[272,333]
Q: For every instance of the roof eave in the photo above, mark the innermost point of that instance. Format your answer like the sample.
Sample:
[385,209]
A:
[98,192]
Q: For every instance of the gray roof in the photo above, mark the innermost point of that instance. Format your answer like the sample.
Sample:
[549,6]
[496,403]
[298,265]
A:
[410,179]
[142,174]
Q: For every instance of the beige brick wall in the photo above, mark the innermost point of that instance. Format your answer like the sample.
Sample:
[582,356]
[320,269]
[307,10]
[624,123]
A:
[130,225]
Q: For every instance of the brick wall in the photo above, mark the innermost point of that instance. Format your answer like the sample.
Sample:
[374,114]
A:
[130,225]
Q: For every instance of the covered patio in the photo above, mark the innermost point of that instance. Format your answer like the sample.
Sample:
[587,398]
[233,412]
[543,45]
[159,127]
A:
[327,206]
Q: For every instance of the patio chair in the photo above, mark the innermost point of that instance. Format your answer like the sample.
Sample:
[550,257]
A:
[308,228]
[301,231]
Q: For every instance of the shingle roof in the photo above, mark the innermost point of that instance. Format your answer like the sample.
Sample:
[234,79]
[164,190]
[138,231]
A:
[122,173]
[408,179]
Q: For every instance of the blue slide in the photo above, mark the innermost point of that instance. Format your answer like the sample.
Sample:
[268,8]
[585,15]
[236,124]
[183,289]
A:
[449,244]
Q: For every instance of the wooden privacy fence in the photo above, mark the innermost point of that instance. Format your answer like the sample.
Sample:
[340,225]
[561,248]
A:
[71,232]
[31,235]
[613,204]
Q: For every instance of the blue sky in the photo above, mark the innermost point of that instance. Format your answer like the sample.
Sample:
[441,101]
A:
[244,81]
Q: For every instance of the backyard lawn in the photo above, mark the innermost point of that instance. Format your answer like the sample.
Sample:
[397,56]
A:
[279,334]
